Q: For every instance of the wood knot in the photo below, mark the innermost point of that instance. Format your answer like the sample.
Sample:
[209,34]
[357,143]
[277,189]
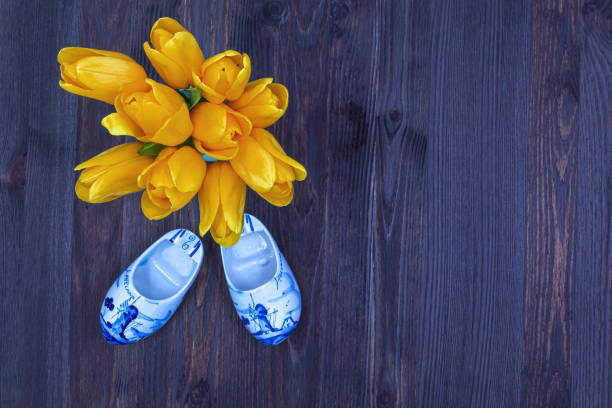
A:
[567,110]
[15,173]
[395,115]
[596,16]
[275,13]
[386,398]
[339,11]
[336,31]
[199,393]
[386,395]
[353,112]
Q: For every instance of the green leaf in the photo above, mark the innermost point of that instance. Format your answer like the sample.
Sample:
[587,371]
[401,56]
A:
[192,96]
[188,142]
[151,149]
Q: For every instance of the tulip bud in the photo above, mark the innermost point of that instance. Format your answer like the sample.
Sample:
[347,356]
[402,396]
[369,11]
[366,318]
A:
[176,52]
[215,128]
[171,181]
[262,163]
[223,76]
[97,74]
[111,174]
[262,101]
[221,200]
[150,112]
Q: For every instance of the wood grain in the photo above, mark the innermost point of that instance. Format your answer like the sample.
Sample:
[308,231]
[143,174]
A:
[591,319]
[551,203]
[451,241]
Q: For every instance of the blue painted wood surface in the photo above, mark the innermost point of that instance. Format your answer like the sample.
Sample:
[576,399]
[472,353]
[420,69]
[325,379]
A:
[452,239]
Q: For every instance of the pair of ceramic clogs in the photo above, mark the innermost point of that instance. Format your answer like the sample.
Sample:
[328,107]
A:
[261,284]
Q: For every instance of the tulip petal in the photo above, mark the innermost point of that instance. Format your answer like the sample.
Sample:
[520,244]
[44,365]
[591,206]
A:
[113,155]
[128,89]
[208,197]
[179,199]
[82,192]
[236,87]
[90,174]
[158,111]
[254,164]
[166,96]
[119,179]
[150,210]
[159,37]
[210,133]
[223,235]
[168,24]
[280,195]
[245,124]
[230,240]
[227,152]
[187,168]
[145,174]
[158,197]
[107,96]
[250,91]
[263,102]
[209,122]
[207,92]
[105,71]
[232,193]
[95,73]
[176,130]
[241,81]
[262,116]
[69,55]
[119,124]
[184,48]
[281,92]
[268,142]
[169,70]
[160,177]
[219,229]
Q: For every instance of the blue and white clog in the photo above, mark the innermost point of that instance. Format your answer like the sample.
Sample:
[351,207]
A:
[261,284]
[150,290]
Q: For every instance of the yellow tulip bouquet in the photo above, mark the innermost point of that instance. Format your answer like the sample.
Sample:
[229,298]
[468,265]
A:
[203,133]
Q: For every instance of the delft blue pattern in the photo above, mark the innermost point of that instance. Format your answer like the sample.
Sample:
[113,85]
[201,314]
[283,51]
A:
[127,323]
[108,303]
[272,311]
[126,316]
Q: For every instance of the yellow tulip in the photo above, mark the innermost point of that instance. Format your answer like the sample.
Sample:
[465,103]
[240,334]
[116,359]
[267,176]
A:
[221,200]
[223,76]
[215,127]
[171,181]
[111,174]
[262,101]
[262,163]
[176,52]
[97,74]
[151,112]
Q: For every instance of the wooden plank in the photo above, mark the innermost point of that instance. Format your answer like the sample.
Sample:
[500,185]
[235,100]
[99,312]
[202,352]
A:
[474,227]
[13,167]
[317,50]
[591,121]
[105,238]
[451,241]
[37,197]
[397,150]
[551,203]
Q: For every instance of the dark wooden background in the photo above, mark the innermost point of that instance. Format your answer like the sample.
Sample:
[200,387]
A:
[452,240]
